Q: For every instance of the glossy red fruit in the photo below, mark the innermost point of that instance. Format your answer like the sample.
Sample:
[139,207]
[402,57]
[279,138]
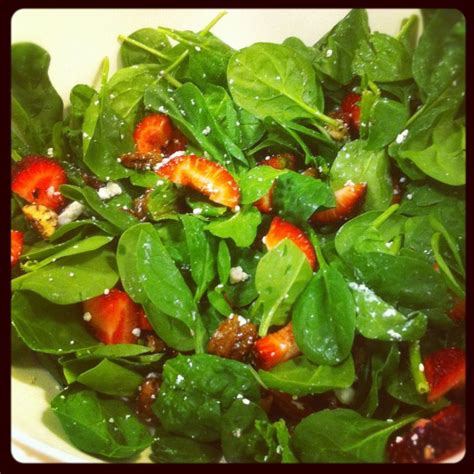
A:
[264,204]
[205,176]
[348,199]
[16,247]
[37,179]
[275,348]
[350,107]
[444,369]
[153,133]
[281,229]
[114,317]
[177,142]
[143,322]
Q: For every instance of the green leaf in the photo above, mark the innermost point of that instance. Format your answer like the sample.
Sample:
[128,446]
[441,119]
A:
[99,426]
[282,274]
[256,182]
[324,318]
[223,262]
[131,54]
[69,280]
[241,227]
[344,436]
[300,377]
[47,327]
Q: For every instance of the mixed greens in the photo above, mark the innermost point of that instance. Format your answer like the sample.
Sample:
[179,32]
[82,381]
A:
[376,303]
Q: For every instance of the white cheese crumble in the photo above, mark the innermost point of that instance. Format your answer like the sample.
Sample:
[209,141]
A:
[70,213]
[207,130]
[110,190]
[329,53]
[198,210]
[345,395]
[87,316]
[237,275]
[136,332]
[402,136]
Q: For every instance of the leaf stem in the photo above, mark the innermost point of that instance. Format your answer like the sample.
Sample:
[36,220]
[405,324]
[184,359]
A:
[417,369]
[136,43]
[385,215]
[212,23]
[317,246]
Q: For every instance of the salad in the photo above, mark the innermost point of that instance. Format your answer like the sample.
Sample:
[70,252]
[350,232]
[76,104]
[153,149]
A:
[251,255]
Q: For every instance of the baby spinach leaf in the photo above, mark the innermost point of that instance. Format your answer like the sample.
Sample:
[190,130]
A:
[256,182]
[278,439]
[219,303]
[378,320]
[169,449]
[131,54]
[408,34]
[281,276]
[301,377]
[197,390]
[36,106]
[113,351]
[241,227]
[296,197]
[357,164]
[300,48]
[111,378]
[63,230]
[336,50]
[382,58]
[324,318]
[270,80]
[100,426]
[223,262]
[344,436]
[162,201]
[69,280]
[47,327]
[202,253]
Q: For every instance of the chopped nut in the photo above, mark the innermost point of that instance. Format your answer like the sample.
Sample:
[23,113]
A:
[141,161]
[146,397]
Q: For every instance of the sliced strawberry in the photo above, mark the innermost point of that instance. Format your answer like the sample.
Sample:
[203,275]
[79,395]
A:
[350,107]
[444,369]
[178,142]
[143,322]
[16,246]
[205,176]
[431,440]
[37,179]
[458,310]
[347,200]
[276,348]
[281,229]
[264,204]
[153,133]
[280,162]
[113,317]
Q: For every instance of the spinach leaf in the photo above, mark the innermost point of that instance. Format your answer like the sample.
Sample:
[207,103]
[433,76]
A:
[36,106]
[223,262]
[324,318]
[219,303]
[382,58]
[256,182]
[197,390]
[282,274]
[168,448]
[296,197]
[440,56]
[344,436]
[47,327]
[270,80]
[100,426]
[241,227]
[132,55]
[69,280]
[357,164]
[336,50]
[408,34]
[113,351]
[71,226]
[300,377]
[202,253]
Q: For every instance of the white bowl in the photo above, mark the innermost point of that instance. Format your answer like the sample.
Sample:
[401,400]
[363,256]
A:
[77,40]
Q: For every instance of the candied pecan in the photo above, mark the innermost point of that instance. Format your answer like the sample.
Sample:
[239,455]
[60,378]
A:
[140,207]
[233,339]
[91,181]
[147,392]
[141,161]
[155,343]
[311,171]
[431,440]
[290,406]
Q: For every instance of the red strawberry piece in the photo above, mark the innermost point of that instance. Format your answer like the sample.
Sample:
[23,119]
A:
[281,229]
[350,107]
[37,179]
[16,246]
[153,133]
[264,204]
[205,176]
[113,317]
[143,322]
[444,369]
[347,200]
[177,142]
[276,348]
[431,440]
[458,310]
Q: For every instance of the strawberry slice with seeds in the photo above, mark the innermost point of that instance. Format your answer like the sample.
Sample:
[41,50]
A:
[16,246]
[281,229]
[37,179]
[276,348]
[444,369]
[177,142]
[350,107]
[348,199]
[264,204]
[143,322]
[153,133]
[113,317]
[205,176]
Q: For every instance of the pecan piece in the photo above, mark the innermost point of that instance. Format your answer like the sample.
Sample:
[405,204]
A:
[141,161]
[147,392]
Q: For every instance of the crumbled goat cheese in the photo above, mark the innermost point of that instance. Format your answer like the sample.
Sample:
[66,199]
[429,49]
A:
[87,316]
[237,275]
[401,137]
[110,190]
[71,213]
[136,332]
